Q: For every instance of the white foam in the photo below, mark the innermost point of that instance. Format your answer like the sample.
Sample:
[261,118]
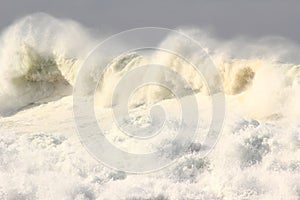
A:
[257,156]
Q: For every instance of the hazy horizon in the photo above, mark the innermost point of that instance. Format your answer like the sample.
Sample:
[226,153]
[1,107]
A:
[227,19]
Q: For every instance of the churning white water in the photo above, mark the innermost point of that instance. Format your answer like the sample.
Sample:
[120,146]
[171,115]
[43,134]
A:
[41,157]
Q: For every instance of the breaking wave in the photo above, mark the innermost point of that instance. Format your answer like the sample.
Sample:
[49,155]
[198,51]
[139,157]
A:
[40,57]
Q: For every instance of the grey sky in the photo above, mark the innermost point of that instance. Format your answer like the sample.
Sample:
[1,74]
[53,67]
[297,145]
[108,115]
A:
[227,18]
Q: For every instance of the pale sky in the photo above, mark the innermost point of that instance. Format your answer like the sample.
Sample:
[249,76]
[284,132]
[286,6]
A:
[228,19]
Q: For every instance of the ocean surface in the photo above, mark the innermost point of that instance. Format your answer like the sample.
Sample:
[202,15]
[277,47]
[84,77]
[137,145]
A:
[256,155]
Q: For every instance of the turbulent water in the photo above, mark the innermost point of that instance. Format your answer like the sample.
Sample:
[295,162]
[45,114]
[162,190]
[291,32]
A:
[257,155]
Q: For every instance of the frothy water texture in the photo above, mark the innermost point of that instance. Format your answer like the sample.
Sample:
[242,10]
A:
[41,157]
